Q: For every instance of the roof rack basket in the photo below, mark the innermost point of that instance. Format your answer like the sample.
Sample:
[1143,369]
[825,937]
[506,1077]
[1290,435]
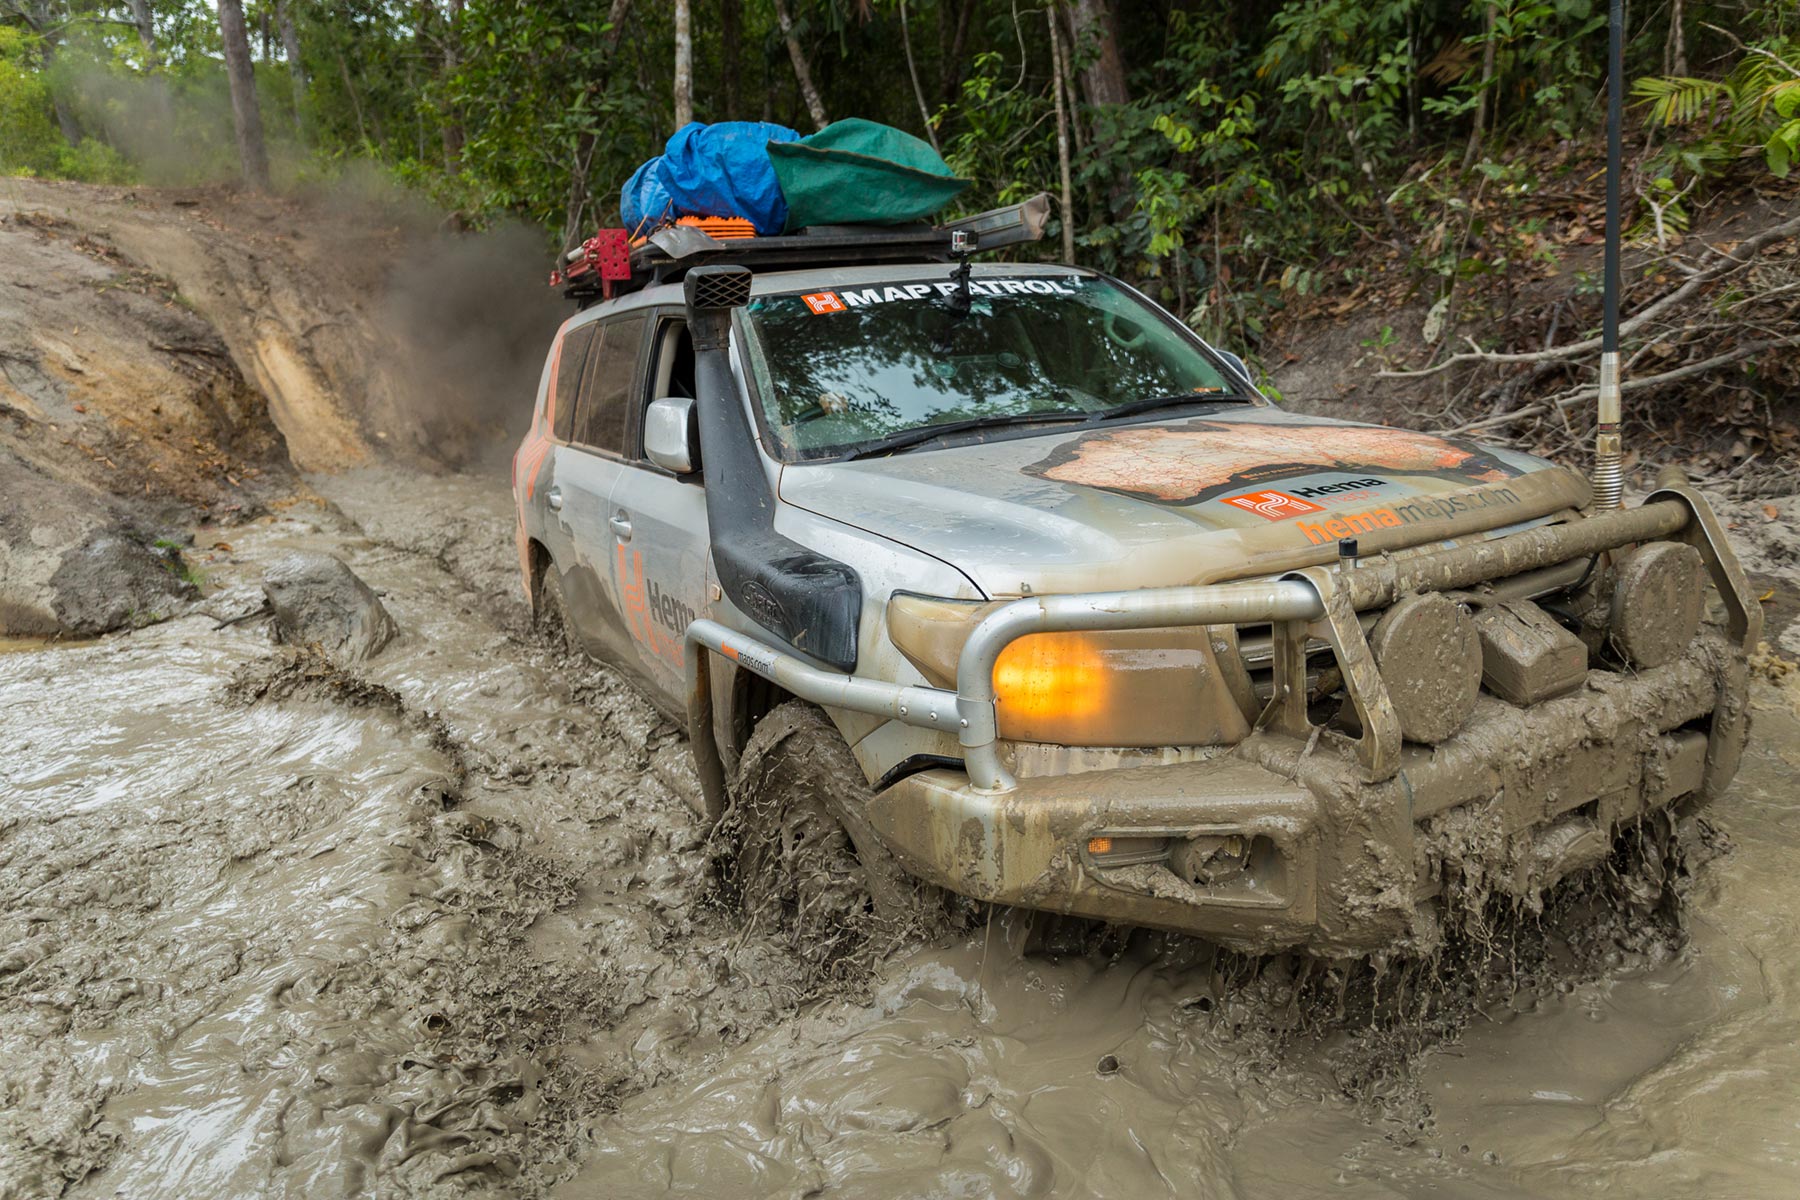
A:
[591,271]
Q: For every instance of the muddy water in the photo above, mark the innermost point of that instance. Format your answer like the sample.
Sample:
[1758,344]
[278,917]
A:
[267,928]
[440,928]
[976,1073]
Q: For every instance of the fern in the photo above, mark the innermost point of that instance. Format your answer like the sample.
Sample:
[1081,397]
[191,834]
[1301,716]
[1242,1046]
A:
[1680,100]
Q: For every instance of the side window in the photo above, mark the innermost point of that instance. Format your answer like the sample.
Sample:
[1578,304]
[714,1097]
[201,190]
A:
[675,365]
[571,357]
[606,387]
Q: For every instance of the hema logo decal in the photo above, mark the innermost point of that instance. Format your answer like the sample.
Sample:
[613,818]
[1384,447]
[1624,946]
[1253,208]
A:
[1412,511]
[1273,506]
[1332,489]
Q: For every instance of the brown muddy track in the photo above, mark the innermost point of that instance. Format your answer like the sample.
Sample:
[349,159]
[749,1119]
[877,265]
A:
[272,928]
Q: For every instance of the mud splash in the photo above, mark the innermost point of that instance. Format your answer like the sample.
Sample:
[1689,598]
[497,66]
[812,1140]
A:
[975,1072]
[442,927]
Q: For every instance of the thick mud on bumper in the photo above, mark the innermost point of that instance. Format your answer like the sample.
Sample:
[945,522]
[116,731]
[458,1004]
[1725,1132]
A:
[1327,826]
[1277,845]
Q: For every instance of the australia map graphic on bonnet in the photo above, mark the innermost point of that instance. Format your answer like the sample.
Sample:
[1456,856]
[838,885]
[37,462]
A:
[1204,459]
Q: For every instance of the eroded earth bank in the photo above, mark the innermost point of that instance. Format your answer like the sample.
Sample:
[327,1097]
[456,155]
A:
[440,922]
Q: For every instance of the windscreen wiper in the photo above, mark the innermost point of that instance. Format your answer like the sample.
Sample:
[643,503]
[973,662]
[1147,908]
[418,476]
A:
[1173,400]
[927,433]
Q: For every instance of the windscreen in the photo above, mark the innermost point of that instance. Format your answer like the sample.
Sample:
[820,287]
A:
[838,369]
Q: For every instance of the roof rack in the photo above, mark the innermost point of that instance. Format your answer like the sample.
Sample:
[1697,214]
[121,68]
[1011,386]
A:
[606,265]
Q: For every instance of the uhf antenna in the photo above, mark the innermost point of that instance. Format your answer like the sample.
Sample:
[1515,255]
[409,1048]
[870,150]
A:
[1609,455]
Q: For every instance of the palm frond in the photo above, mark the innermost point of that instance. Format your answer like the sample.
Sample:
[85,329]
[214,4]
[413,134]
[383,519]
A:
[1679,99]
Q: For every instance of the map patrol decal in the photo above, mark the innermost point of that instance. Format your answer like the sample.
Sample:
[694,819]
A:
[822,303]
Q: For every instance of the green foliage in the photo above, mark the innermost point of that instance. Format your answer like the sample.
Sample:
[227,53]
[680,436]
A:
[1753,111]
[1265,153]
[29,141]
[93,161]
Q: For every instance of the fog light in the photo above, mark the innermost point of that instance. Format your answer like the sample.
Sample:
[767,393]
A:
[1108,850]
[1210,861]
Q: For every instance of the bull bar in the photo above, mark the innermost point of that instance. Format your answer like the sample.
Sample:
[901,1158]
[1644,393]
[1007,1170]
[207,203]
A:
[1314,602]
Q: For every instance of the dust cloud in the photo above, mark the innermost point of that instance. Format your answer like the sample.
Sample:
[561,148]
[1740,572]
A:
[475,317]
[177,134]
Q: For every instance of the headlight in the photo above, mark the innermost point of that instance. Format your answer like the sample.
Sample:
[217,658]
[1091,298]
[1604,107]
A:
[1136,687]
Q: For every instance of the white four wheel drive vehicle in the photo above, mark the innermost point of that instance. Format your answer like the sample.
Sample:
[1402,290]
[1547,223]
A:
[1059,612]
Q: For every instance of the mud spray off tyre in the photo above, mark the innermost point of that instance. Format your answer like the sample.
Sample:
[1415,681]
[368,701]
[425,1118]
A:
[551,619]
[794,851]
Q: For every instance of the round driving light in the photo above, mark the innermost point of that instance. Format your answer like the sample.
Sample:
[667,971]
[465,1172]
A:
[1657,603]
[1430,659]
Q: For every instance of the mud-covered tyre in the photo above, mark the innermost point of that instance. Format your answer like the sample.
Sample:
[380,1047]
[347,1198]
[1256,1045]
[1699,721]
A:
[551,616]
[795,851]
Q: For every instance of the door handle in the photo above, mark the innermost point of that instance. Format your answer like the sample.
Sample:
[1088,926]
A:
[553,498]
[621,526]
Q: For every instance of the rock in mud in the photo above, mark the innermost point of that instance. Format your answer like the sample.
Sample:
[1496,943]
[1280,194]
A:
[317,600]
[68,565]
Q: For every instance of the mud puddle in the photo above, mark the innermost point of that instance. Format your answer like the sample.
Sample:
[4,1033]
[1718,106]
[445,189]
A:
[271,928]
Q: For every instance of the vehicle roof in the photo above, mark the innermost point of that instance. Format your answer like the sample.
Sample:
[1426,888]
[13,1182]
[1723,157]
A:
[767,283]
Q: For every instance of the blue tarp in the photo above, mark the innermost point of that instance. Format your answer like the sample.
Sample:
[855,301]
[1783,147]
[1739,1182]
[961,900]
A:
[719,170]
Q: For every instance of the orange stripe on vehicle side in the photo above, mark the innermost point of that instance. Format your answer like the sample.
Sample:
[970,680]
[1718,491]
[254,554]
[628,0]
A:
[538,441]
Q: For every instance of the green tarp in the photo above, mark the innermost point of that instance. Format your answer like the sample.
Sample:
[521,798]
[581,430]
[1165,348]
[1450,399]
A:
[858,172]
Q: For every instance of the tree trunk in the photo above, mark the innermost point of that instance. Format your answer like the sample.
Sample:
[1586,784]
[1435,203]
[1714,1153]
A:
[356,109]
[245,116]
[913,70]
[1676,60]
[1062,139]
[1482,103]
[730,18]
[290,46]
[1059,14]
[615,23]
[451,122]
[802,73]
[1097,40]
[146,29]
[950,70]
[684,64]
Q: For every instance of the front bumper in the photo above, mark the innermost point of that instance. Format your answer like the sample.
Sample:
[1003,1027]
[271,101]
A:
[1335,863]
[1334,839]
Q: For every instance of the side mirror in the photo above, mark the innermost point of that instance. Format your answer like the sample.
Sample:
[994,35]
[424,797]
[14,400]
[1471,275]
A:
[672,434]
[1236,364]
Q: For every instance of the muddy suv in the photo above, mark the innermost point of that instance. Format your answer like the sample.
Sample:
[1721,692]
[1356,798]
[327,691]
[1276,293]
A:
[1049,607]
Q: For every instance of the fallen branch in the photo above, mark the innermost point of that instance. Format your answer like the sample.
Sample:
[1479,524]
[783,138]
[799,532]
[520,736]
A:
[200,350]
[1590,392]
[1726,264]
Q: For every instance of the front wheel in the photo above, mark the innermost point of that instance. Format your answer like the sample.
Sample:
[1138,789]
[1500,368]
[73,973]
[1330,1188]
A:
[795,850]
